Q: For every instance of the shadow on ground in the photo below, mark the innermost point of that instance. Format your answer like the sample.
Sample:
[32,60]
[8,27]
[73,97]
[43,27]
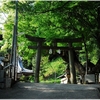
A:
[51,91]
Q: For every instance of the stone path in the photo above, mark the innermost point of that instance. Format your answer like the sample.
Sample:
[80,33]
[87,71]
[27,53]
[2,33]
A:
[51,91]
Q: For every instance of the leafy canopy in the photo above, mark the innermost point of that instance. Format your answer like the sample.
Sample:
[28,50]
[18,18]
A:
[50,20]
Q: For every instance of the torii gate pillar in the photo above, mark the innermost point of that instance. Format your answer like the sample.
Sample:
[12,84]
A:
[71,64]
[38,60]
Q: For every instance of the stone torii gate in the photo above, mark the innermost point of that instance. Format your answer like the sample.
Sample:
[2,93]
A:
[70,49]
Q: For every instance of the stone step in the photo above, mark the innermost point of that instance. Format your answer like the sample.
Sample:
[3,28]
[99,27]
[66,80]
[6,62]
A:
[2,80]
[2,74]
[5,83]
[8,82]
[1,67]
[2,85]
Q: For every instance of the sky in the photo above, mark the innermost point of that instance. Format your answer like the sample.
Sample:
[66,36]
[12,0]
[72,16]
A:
[2,17]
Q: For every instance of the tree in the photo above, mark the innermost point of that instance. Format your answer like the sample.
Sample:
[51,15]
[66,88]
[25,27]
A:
[51,19]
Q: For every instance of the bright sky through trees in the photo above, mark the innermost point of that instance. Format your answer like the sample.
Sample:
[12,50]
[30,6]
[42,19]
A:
[3,16]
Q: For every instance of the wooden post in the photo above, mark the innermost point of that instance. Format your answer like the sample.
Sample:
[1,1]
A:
[14,44]
[1,38]
[71,64]
[38,59]
[55,45]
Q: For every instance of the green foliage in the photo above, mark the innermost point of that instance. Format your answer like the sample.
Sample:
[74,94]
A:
[50,20]
[27,78]
[51,81]
[51,70]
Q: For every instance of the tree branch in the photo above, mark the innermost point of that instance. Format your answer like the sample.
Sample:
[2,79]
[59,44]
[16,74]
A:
[55,9]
